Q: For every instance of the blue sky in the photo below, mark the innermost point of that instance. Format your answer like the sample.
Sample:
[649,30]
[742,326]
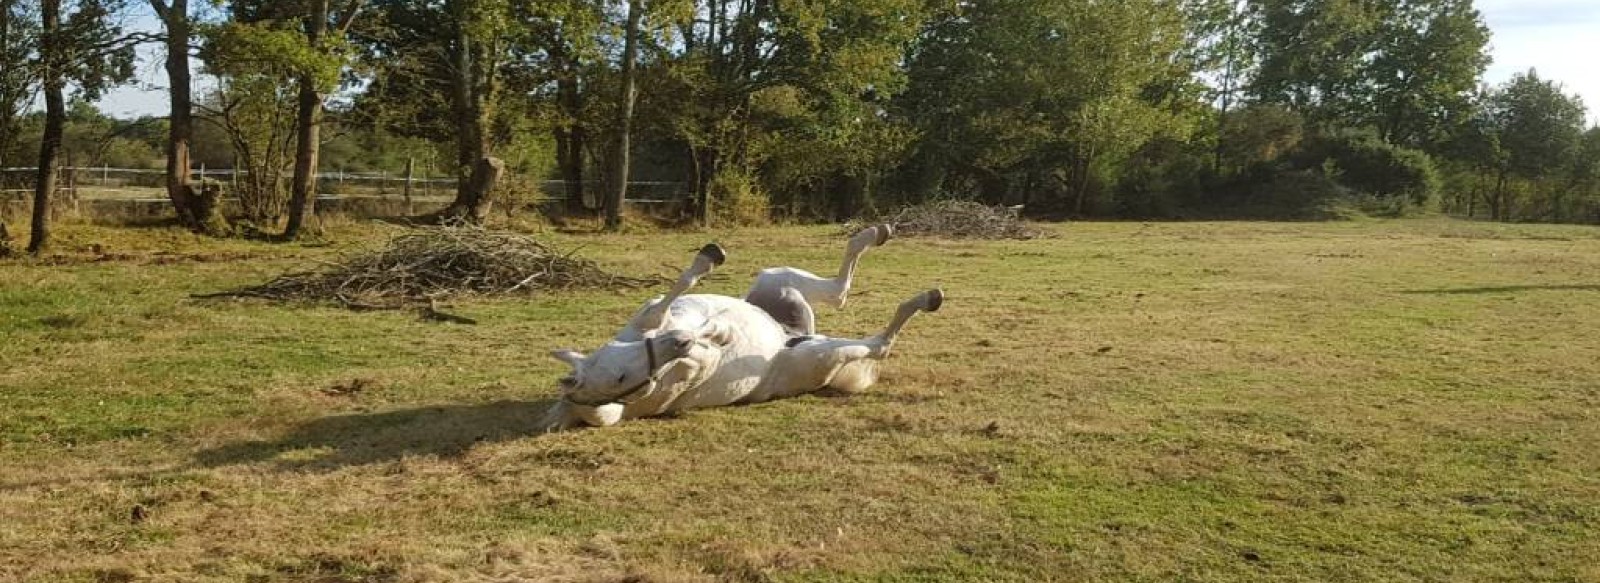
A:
[1560,38]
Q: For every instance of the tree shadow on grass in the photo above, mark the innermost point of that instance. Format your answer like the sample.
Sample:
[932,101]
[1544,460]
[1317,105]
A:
[367,438]
[1502,289]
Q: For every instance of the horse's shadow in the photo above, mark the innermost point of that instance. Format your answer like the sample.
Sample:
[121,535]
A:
[326,443]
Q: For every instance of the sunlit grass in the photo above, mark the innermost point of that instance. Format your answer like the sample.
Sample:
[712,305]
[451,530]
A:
[1372,401]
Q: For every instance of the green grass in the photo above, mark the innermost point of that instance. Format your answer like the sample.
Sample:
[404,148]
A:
[1364,401]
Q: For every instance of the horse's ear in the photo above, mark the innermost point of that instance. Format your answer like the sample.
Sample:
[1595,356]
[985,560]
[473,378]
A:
[568,356]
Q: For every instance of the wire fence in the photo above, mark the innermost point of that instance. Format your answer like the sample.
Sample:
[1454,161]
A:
[138,193]
[149,185]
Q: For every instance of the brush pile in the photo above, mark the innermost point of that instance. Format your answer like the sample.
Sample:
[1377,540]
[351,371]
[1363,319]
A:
[958,219]
[432,263]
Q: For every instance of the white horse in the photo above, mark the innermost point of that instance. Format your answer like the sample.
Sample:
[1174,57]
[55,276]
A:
[682,352]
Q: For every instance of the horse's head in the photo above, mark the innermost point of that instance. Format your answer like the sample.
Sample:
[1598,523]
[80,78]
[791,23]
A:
[621,371]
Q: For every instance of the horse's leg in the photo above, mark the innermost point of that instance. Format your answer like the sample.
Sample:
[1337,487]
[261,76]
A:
[849,364]
[832,291]
[564,415]
[788,306]
[654,314]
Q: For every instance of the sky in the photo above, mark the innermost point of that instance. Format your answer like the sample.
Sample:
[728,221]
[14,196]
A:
[1559,38]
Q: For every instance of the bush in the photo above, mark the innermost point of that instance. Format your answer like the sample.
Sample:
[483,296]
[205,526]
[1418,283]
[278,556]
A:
[1276,193]
[1160,180]
[1401,177]
[737,198]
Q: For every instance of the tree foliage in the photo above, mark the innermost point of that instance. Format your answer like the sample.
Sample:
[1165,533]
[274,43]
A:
[835,108]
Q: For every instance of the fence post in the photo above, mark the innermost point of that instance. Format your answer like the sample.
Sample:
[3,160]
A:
[411,168]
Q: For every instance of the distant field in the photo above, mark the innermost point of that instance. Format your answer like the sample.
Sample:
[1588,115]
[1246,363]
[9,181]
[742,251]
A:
[1364,401]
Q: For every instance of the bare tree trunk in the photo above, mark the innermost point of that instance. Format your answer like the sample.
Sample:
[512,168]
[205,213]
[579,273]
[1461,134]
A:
[569,156]
[476,198]
[469,133]
[619,171]
[8,100]
[1497,210]
[571,137]
[704,162]
[471,101]
[55,117]
[180,128]
[194,213]
[571,146]
[308,144]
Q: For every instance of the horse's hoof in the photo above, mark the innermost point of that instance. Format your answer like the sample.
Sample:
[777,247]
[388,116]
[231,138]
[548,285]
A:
[885,233]
[715,253]
[935,299]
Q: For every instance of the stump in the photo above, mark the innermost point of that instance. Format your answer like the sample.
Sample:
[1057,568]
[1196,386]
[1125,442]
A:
[473,202]
[208,211]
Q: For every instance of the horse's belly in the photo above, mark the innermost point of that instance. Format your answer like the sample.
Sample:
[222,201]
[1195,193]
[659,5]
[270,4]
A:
[745,358]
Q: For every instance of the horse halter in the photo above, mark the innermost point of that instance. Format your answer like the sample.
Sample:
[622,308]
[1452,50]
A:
[650,357]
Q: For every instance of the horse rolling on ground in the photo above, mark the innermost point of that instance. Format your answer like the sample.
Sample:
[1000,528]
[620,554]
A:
[690,351]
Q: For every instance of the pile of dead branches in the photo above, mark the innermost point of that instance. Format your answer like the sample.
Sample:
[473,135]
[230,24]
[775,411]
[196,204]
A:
[958,219]
[432,263]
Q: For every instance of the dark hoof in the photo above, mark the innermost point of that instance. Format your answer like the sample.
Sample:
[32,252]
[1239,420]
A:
[713,252]
[885,233]
[935,299]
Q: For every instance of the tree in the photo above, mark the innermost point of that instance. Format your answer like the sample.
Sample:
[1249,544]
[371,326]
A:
[256,113]
[445,57]
[1017,96]
[1405,67]
[1311,53]
[19,34]
[304,40]
[1220,31]
[186,202]
[555,47]
[1427,60]
[753,80]
[618,187]
[1535,130]
[79,45]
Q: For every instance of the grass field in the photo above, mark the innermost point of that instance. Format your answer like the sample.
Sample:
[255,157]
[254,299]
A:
[1363,401]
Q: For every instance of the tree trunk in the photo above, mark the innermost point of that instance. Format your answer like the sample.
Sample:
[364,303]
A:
[473,202]
[308,140]
[8,100]
[619,171]
[308,146]
[570,139]
[55,117]
[569,156]
[705,172]
[180,130]
[1497,200]
[1222,112]
[1080,186]
[473,91]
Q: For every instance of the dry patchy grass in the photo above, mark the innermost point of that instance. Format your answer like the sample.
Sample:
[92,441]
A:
[1383,401]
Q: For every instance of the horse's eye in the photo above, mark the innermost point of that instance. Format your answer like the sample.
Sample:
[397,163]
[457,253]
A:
[622,379]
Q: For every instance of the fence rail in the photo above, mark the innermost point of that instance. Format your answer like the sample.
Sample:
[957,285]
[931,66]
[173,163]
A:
[143,184]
